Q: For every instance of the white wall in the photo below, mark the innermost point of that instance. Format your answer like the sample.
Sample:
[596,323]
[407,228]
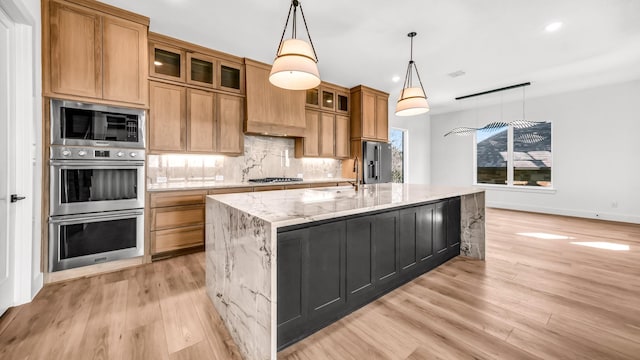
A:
[419,134]
[595,145]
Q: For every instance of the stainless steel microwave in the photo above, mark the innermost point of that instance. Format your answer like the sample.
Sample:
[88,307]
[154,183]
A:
[83,124]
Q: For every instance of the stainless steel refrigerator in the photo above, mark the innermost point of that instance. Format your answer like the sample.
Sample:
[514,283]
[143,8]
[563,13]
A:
[376,160]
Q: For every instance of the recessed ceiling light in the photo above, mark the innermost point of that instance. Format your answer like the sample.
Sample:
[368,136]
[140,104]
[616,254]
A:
[396,78]
[554,26]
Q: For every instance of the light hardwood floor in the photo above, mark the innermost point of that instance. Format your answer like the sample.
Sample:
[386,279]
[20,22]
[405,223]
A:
[534,298]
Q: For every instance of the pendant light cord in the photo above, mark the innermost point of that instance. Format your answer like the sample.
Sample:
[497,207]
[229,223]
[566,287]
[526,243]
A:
[408,80]
[284,31]
[308,33]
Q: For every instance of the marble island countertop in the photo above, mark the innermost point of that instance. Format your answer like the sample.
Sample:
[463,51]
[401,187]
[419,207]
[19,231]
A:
[206,185]
[292,207]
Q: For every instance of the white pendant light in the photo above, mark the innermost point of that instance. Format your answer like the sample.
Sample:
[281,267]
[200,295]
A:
[413,100]
[295,66]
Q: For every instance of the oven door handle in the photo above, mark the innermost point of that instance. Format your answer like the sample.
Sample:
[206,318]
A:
[75,219]
[97,163]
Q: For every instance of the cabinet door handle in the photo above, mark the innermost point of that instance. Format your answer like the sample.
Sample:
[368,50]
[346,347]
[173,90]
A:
[16,198]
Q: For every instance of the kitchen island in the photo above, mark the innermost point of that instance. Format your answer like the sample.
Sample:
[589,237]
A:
[283,264]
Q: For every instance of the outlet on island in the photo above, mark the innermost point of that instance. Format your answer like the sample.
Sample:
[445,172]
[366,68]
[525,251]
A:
[161,180]
[219,178]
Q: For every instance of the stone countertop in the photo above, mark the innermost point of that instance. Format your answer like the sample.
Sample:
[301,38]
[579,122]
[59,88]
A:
[208,185]
[292,207]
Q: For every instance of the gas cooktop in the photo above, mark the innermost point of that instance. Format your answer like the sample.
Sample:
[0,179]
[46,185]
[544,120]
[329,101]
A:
[275,180]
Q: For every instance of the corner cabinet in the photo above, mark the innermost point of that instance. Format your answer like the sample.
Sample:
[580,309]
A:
[270,109]
[328,270]
[94,52]
[369,114]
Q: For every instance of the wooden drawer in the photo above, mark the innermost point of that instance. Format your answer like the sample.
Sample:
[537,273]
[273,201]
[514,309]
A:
[177,198]
[175,239]
[328,184]
[171,217]
[230,190]
[268,188]
[297,186]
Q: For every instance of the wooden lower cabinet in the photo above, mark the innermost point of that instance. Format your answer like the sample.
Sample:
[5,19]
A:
[176,239]
[176,220]
[328,270]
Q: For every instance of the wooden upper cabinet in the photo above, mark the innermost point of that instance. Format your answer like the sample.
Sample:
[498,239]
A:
[167,120]
[201,70]
[342,102]
[327,135]
[166,62]
[94,52]
[342,136]
[194,65]
[369,114]
[124,61]
[201,129]
[382,117]
[230,110]
[231,76]
[309,145]
[270,109]
[75,50]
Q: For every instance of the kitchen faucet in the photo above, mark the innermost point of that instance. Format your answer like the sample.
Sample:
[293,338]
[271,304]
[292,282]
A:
[356,168]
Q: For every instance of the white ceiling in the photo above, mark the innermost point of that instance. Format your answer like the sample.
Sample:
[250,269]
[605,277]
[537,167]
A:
[496,42]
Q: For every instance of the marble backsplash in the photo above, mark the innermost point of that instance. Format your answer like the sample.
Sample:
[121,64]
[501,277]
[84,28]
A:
[263,157]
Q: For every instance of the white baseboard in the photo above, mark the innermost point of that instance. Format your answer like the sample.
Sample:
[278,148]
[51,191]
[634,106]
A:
[634,219]
[36,284]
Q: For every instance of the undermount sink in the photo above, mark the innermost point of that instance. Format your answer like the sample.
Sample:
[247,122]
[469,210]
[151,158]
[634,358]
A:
[335,189]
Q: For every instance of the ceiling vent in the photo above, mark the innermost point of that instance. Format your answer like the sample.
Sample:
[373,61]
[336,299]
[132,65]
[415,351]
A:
[457,73]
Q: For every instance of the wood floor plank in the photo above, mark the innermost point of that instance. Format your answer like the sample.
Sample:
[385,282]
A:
[531,299]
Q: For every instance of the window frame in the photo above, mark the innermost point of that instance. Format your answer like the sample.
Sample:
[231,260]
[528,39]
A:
[405,152]
[510,168]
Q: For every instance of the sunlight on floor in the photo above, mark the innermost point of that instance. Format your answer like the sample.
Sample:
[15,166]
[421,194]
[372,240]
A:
[546,236]
[604,245]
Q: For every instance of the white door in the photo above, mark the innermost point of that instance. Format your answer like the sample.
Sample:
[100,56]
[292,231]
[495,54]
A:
[6,249]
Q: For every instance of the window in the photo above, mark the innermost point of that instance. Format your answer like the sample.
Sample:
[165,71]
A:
[514,156]
[398,158]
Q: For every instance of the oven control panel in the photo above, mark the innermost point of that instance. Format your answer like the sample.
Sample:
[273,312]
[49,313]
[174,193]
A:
[81,153]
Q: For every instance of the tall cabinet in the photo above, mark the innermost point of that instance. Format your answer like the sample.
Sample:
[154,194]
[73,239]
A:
[196,99]
[94,52]
[369,121]
[327,132]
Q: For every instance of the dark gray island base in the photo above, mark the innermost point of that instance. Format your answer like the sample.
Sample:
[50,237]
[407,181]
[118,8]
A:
[328,269]
[280,265]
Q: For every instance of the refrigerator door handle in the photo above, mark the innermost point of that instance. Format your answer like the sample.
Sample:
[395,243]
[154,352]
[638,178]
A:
[375,169]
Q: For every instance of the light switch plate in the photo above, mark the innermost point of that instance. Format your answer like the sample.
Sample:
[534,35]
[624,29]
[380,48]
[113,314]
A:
[219,178]
[161,179]
[300,176]
[329,175]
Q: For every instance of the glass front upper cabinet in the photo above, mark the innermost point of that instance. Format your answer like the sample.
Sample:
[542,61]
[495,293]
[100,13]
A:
[231,77]
[312,97]
[200,70]
[342,102]
[328,99]
[167,63]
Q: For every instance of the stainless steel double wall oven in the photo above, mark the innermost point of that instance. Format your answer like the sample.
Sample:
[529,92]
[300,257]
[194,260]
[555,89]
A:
[97,184]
